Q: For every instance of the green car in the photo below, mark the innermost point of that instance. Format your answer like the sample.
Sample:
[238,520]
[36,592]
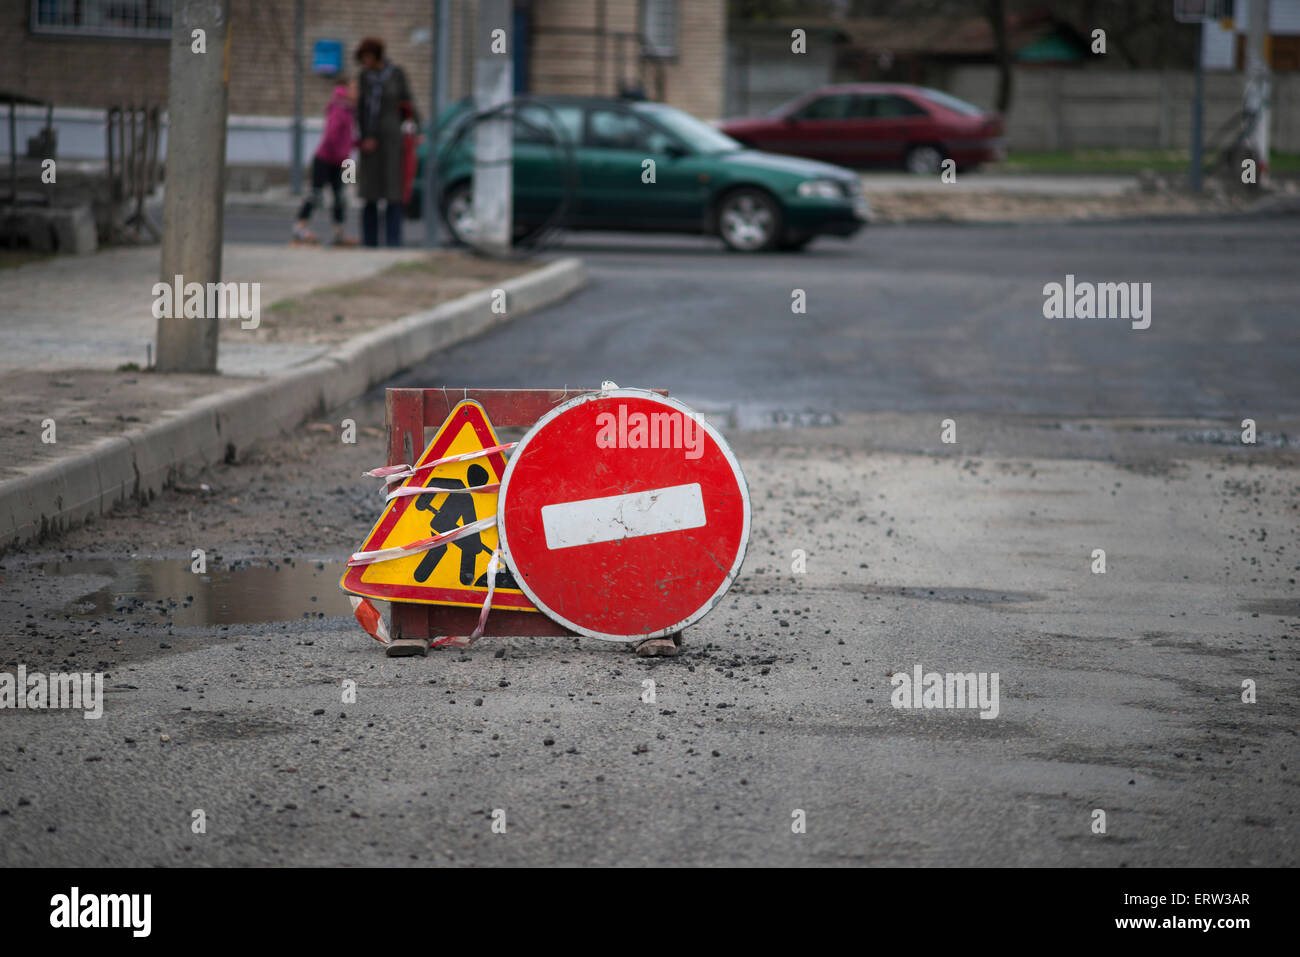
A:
[584,163]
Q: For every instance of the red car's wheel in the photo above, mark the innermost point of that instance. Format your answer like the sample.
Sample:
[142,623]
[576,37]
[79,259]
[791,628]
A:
[924,160]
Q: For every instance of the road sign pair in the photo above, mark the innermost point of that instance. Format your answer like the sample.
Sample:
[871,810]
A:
[620,515]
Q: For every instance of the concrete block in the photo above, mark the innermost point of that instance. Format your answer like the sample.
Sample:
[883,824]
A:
[74,230]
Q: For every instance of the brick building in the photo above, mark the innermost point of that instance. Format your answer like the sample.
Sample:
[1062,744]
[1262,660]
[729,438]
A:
[98,53]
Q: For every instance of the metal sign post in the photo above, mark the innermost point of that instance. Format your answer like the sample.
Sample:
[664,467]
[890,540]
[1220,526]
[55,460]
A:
[1198,12]
[441,52]
[295,170]
[1198,113]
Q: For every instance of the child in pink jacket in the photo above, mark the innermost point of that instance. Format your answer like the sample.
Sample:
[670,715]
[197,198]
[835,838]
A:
[327,164]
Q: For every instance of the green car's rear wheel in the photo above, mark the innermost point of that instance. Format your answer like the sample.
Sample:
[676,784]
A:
[458,214]
[749,220]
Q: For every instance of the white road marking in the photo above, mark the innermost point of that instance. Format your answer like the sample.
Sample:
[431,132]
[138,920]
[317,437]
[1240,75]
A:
[615,517]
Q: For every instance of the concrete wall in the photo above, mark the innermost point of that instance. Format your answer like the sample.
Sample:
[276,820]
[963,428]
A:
[581,64]
[762,73]
[121,71]
[697,76]
[250,140]
[1061,109]
[98,72]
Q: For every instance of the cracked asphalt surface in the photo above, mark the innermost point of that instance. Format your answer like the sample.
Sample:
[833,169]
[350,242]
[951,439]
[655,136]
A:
[1119,691]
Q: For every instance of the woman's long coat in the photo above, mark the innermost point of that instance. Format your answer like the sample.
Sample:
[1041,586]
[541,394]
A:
[379,111]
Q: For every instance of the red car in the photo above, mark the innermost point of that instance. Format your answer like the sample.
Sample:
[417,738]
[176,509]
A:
[877,124]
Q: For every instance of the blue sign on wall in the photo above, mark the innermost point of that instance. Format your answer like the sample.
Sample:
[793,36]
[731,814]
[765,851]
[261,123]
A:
[327,57]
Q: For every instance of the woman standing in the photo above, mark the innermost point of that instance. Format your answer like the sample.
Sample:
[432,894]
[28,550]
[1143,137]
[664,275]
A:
[385,102]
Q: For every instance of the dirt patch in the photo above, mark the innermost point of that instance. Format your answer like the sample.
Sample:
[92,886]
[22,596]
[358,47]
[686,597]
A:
[337,313]
[973,207]
[11,258]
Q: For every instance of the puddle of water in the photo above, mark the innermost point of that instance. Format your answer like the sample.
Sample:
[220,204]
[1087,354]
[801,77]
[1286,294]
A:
[166,589]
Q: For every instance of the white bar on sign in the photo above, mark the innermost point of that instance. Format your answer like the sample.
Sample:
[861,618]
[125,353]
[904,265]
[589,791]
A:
[634,515]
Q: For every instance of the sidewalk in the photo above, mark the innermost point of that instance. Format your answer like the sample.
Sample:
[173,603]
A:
[333,323]
[94,312]
[1037,198]
[1016,184]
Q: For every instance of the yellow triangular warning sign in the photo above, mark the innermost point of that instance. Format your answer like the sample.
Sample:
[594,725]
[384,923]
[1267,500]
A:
[453,573]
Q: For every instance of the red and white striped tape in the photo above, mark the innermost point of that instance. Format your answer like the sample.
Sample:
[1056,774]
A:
[395,473]
[406,490]
[366,613]
[368,617]
[423,545]
[457,642]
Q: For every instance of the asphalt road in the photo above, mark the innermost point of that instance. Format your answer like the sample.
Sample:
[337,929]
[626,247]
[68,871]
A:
[927,318]
[1120,692]
[935,318]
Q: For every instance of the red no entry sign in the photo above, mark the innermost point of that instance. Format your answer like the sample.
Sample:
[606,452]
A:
[623,515]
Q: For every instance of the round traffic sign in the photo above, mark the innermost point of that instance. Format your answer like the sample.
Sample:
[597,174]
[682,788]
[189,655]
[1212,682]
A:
[623,515]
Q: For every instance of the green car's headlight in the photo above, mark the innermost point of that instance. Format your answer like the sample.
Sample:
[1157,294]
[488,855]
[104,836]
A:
[820,189]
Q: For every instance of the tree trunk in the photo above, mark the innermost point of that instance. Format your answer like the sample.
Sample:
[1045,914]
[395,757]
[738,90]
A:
[996,11]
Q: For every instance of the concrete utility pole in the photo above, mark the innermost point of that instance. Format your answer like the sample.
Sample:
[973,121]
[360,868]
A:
[493,147]
[441,51]
[1258,94]
[196,163]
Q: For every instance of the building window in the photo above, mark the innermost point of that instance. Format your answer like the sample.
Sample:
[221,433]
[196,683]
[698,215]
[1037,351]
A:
[103,18]
[659,27]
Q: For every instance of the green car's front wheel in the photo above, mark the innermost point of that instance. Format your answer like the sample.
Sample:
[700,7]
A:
[749,220]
